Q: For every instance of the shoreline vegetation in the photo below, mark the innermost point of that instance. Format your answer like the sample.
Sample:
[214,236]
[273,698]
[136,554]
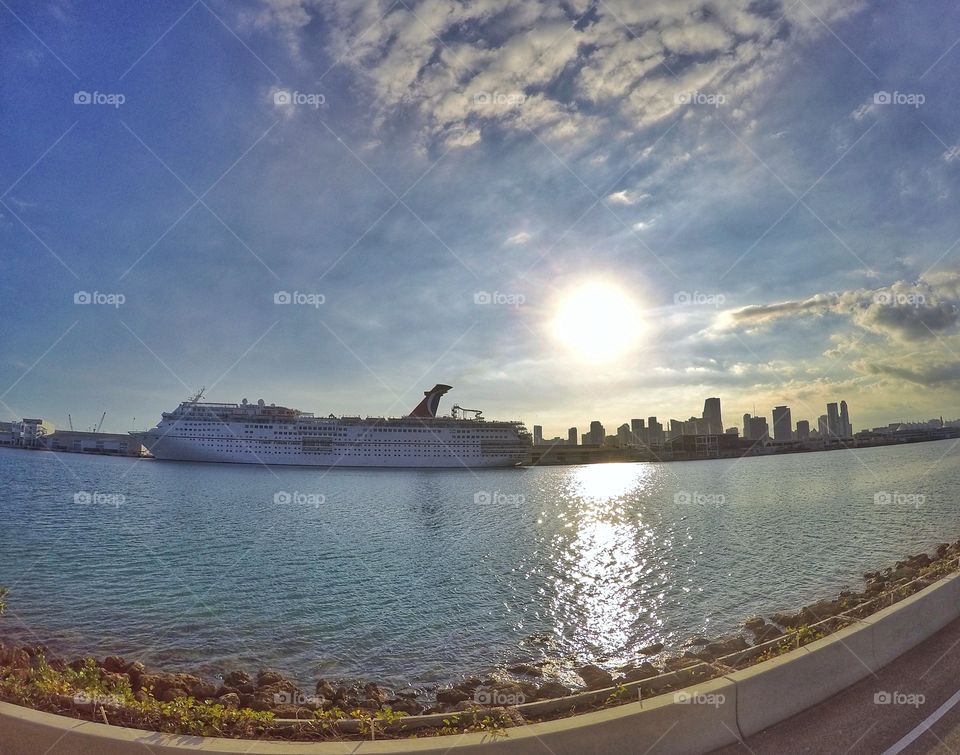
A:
[268,705]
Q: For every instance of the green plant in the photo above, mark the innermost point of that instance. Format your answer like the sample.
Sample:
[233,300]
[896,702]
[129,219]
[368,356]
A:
[4,591]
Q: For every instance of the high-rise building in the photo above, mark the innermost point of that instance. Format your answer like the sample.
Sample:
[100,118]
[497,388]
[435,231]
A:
[572,436]
[759,430]
[833,420]
[746,426]
[638,431]
[538,435]
[623,435]
[782,424]
[803,430]
[712,422]
[823,426]
[597,433]
[846,429]
[677,429]
[654,431]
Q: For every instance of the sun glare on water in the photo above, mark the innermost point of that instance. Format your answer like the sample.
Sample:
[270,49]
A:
[598,322]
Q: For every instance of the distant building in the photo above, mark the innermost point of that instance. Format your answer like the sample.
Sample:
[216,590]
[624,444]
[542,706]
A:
[782,424]
[746,426]
[9,433]
[538,435]
[572,436]
[846,429]
[833,420]
[639,432]
[89,442]
[712,421]
[759,430]
[623,436]
[731,431]
[803,430]
[654,432]
[823,426]
[676,429]
[597,434]
[33,432]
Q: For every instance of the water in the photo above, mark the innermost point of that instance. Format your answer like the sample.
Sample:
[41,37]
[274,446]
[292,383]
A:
[402,576]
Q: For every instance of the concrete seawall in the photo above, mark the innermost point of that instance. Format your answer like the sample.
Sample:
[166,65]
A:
[703,717]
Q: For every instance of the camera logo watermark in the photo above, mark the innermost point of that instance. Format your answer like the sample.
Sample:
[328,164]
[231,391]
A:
[891,299]
[716,699]
[284,97]
[496,497]
[98,98]
[699,298]
[299,297]
[498,298]
[502,99]
[693,498]
[87,698]
[498,697]
[85,498]
[298,698]
[284,497]
[913,699]
[914,99]
[716,99]
[97,297]
[887,497]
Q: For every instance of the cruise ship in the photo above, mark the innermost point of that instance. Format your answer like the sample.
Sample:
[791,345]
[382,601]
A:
[248,433]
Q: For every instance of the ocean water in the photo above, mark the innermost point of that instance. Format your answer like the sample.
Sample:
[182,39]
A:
[416,577]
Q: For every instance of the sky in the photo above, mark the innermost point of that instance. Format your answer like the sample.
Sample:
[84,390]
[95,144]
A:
[567,211]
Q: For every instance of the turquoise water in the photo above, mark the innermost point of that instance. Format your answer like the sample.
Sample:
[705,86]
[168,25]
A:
[418,577]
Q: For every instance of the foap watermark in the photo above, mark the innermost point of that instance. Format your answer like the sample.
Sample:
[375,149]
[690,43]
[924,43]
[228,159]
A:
[85,498]
[913,699]
[894,299]
[914,99]
[887,497]
[299,297]
[699,299]
[715,99]
[298,698]
[98,297]
[491,497]
[91,698]
[716,699]
[113,99]
[694,498]
[285,97]
[498,298]
[284,497]
[498,697]
[502,99]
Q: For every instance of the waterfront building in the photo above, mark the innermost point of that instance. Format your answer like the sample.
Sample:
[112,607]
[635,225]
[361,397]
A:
[80,441]
[638,431]
[746,426]
[623,435]
[759,430]
[538,435]
[823,426]
[803,429]
[654,432]
[833,420]
[846,429]
[713,423]
[572,436]
[782,424]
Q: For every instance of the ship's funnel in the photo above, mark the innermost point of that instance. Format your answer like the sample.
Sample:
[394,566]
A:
[431,400]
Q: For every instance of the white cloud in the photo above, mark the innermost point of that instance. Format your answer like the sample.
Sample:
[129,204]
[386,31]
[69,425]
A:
[518,238]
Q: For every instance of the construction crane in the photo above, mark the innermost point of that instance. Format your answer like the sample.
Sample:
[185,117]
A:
[100,423]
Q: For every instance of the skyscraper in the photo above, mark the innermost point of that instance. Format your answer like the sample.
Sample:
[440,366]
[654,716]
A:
[833,420]
[638,431]
[597,433]
[759,430]
[623,435]
[823,426]
[846,429]
[538,435]
[712,421]
[782,424]
[803,430]
[572,436]
[746,426]
[654,431]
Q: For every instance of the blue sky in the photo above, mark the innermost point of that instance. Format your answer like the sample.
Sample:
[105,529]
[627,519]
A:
[785,233]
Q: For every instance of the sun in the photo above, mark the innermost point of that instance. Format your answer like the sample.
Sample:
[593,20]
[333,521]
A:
[598,322]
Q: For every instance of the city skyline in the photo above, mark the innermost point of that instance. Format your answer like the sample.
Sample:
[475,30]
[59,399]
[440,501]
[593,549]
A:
[607,208]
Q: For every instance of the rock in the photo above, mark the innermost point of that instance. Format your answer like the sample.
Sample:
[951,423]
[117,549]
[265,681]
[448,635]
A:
[114,664]
[903,573]
[643,671]
[469,684]
[325,690]
[282,692]
[266,677]
[755,623]
[204,691]
[876,587]
[409,692]
[135,670]
[942,549]
[525,669]
[550,690]
[724,647]
[595,677]
[451,696]
[788,620]
[292,711]
[230,700]
[374,692]
[169,694]
[698,641]
[159,682]
[240,681]
[15,658]
[405,705]
[766,633]
[651,649]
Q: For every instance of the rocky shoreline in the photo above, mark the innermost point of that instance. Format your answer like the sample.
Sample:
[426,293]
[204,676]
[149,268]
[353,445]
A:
[118,690]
